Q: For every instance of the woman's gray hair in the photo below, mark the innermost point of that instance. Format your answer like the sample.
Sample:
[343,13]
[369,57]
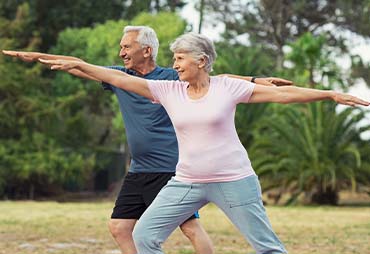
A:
[198,46]
[146,38]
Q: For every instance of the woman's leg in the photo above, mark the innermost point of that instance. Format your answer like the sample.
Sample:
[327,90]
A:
[241,201]
[175,203]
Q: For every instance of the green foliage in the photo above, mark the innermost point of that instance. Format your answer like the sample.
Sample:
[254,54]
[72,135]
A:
[49,18]
[168,26]
[311,149]
[277,23]
[54,126]
[245,61]
[314,59]
[239,59]
[360,69]
[30,154]
[98,46]
[35,159]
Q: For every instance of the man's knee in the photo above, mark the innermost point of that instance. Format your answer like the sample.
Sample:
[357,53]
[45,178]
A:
[121,228]
[193,230]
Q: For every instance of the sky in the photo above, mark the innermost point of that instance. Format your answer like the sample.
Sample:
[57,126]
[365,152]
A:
[359,46]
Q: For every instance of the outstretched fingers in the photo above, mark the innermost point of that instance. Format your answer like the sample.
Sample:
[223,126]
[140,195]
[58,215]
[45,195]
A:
[9,52]
[359,101]
[51,63]
[58,64]
[351,100]
[280,81]
[24,56]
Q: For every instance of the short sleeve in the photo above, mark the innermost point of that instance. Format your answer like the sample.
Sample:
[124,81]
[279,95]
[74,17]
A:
[240,90]
[107,86]
[161,89]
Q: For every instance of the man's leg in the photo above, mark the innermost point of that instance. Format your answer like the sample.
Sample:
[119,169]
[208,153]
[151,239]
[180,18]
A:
[128,208]
[199,238]
[121,230]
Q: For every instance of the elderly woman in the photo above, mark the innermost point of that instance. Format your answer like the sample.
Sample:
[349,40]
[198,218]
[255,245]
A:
[213,165]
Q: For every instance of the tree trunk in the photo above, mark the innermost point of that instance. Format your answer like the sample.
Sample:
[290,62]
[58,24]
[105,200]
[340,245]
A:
[201,12]
[31,194]
[325,197]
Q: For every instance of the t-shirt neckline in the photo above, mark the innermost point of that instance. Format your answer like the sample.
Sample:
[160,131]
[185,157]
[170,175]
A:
[204,97]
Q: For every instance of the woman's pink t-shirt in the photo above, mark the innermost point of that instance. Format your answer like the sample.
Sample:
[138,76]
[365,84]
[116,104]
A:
[209,146]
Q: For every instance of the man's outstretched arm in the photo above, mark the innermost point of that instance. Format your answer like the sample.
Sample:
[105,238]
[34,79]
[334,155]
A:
[268,81]
[35,56]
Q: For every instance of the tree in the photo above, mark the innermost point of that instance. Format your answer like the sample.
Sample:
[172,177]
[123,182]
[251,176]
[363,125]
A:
[54,127]
[239,59]
[314,59]
[320,159]
[315,138]
[97,46]
[51,17]
[276,23]
[31,160]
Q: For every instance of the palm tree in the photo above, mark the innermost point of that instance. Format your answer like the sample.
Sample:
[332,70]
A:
[311,149]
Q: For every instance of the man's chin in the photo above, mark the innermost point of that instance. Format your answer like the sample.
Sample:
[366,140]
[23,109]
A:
[127,65]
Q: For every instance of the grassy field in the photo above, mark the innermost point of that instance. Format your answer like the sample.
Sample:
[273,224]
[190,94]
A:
[71,228]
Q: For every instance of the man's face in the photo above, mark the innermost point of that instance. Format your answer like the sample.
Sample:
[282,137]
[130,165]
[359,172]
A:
[131,52]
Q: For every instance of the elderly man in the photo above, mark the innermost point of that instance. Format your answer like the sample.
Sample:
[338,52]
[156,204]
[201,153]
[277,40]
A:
[150,135]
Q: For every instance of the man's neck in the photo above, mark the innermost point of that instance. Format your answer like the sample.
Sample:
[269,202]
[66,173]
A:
[145,68]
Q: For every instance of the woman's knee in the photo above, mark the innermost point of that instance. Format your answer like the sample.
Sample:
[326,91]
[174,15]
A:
[142,238]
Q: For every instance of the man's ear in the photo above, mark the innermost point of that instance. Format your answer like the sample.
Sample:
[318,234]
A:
[148,51]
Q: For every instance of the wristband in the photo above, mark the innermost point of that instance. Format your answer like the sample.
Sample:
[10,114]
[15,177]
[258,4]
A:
[253,79]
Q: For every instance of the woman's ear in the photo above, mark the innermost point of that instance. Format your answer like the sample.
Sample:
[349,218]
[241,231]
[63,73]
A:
[202,62]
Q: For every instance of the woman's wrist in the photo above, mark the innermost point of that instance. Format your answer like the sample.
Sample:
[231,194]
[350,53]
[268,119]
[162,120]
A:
[332,95]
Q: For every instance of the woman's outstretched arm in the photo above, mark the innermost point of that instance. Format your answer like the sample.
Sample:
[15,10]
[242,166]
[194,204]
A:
[116,78]
[293,94]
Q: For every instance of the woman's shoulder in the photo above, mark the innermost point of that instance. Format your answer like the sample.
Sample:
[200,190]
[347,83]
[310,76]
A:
[225,81]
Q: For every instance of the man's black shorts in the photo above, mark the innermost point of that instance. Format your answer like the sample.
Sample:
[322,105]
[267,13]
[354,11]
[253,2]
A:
[137,193]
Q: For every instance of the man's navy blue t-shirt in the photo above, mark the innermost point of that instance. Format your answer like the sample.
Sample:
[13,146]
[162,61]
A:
[150,135]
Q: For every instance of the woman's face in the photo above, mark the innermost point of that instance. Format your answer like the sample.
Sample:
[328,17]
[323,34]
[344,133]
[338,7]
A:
[186,66]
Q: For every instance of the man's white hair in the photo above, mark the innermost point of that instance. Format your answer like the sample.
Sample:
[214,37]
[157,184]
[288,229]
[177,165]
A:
[146,38]
[196,45]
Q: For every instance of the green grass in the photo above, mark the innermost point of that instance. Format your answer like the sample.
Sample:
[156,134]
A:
[71,228]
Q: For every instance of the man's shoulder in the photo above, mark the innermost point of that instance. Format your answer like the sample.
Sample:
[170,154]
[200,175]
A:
[120,68]
[166,69]
[165,73]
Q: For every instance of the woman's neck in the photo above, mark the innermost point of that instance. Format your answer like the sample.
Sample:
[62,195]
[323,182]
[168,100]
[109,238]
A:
[200,83]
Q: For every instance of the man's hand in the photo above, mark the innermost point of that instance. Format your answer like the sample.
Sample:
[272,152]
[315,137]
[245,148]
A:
[24,56]
[272,81]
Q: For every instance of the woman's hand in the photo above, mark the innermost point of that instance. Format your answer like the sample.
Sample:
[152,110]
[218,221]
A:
[347,99]
[63,65]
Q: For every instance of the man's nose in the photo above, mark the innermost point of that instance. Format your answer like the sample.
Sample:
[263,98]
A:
[122,53]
